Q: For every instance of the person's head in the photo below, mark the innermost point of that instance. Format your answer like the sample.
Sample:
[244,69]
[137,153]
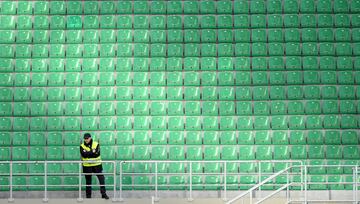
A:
[87,138]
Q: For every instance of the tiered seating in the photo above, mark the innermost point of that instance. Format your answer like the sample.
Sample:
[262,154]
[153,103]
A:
[181,80]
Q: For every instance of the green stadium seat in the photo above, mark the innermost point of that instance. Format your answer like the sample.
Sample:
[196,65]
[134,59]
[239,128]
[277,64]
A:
[176,153]
[349,137]
[298,152]
[37,139]
[124,138]
[124,153]
[342,20]
[211,153]
[210,123]
[194,153]
[5,154]
[159,153]
[351,152]
[142,152]
[334,152]
[70,153]
[70,183]
[193,138]
[280,137]
[209,108]
[335,179]
[108,152]
[141,138]
[264,152]
[19,183]
[4,182]
[314,122]
[315,137]
[318,166]
[354,6]
[335,167]
[279,122]
[316,152]
[332,137]
[323,6]
[308,20]
[295,107]
[260,93]
[315,182]
[281,152]
[19,153]
[247,181]
[297,137]
[54,153]
[229,153]
[36,168]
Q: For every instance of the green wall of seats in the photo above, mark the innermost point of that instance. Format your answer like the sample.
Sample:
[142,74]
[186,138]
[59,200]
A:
[181,80]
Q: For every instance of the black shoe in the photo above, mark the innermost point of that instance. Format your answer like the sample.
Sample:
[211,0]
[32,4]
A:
[88,196]
[105,197]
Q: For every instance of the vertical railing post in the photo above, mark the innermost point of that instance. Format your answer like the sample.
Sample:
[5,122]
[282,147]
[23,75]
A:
[356,184]
[251,197]
[287,188]
[114,178]
[225,190]
[45,183]
[80,198]
[302,179]
[190,180]
[305,182]
[120,182]
[259,179]
[156,181]
[11,198]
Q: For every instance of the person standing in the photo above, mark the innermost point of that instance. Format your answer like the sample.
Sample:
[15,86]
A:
[90,155]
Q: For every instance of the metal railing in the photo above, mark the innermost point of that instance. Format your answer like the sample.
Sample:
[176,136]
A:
[46,174]
[189,172]
[304,184]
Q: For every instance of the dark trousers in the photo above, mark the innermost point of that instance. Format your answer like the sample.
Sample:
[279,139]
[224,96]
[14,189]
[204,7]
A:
[98,171]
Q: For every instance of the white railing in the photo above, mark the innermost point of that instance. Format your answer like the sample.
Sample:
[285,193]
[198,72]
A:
[304,183]
[257,186]
[46,175]
[119,171]
[188,171]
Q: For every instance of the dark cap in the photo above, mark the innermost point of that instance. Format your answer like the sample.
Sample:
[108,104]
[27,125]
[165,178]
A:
[87,135]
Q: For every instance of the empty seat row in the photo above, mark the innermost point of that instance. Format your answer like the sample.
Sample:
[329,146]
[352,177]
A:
[175,78]
[179,36]
[178,7]
[239,168]
[293,122]
[43,22]
[178,108]
[144,152]
[180,50]
[242,93]
[140,64]
[276,137]
[198,182]
[348,137]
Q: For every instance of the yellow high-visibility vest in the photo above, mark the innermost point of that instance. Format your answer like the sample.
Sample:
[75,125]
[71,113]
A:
[94,161]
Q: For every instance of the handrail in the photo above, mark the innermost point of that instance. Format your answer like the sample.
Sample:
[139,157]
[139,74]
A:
[46,174]
[187,172]
[275,192]
[261,183]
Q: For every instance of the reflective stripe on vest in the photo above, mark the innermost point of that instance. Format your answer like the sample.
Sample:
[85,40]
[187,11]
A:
[94,161]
